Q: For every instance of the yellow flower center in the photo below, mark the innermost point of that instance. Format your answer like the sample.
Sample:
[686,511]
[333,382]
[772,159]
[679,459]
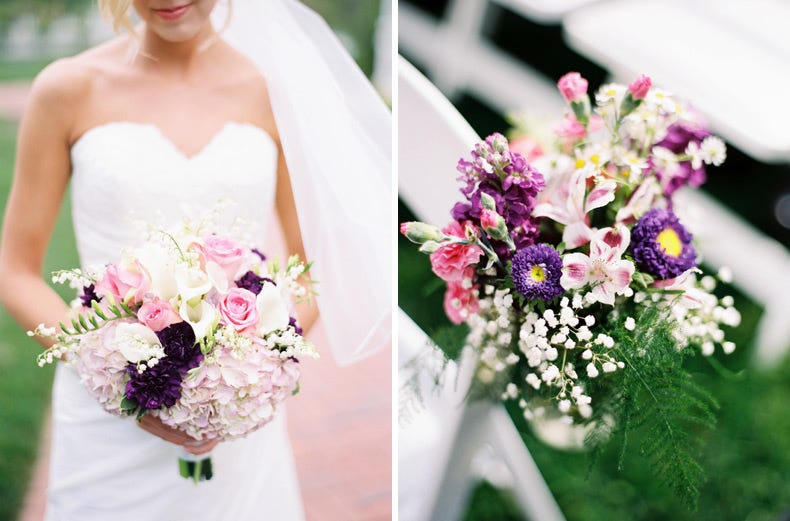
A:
[669,242]
[537,274]
[580,163]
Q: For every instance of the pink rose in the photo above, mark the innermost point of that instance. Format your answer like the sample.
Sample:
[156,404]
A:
[157,315]
[488,219]
[527,147]
[126,284]
[460,302]
[238,310]
[572,86]
[640,86]
[449,262]
[224,251]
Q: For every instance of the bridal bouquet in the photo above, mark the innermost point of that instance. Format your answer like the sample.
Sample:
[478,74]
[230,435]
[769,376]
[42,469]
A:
[193,328]
[576,283]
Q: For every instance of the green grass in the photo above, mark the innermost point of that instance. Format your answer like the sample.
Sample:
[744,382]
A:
[747,457]
[21,70]
[24,387]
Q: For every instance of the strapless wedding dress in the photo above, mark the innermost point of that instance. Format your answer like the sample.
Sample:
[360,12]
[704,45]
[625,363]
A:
[105,468]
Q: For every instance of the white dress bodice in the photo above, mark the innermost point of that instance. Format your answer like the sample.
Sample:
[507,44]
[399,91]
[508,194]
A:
[123,173]
[107,468]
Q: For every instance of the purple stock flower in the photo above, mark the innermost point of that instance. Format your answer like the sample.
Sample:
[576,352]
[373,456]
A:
[158,386]
[512,183]
[536,271]
[661,245]
[178,341]
[89,295]
[253,282]
[677,140]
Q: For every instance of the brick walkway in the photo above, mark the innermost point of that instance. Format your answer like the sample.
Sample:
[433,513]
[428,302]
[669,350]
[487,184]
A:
[340,424]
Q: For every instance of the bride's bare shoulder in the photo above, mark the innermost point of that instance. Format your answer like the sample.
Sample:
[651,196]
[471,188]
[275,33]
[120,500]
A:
[63,85]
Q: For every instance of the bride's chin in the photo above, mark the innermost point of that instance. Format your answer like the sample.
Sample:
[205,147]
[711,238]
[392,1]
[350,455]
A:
[178,34]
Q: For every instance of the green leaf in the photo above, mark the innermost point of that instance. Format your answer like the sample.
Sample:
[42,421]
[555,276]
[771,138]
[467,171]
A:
[98,310]
[128,405]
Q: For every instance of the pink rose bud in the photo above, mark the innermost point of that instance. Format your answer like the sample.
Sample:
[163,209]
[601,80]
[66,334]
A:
[640,87]
[238,310]
[572,86]
[419,233]
[489,219]
[157,315]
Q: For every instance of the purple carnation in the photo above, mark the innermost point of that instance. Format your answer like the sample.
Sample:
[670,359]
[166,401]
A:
[89,295]
[677,140]
[158,386]
[292,322]
[181,349]
[251,281]
[510,181]
[536,272]
[661,245]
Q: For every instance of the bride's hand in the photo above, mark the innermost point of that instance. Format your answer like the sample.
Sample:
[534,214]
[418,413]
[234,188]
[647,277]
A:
[159,429]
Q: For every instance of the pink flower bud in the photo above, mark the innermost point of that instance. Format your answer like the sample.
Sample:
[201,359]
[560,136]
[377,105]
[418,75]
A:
[572,86]
[529,148]
[640,86]
[489,219]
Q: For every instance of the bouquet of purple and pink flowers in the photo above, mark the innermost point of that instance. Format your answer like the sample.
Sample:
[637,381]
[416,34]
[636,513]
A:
[573,275]
[192,327]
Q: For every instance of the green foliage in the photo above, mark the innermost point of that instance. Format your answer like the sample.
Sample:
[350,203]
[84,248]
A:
[657,395]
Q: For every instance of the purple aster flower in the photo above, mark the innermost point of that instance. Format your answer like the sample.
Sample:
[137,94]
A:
[178,341]
[259,253]
[677,140]
[253,282]
[292,322]
[158,386]
[661,245]
[536,271]
[89,295]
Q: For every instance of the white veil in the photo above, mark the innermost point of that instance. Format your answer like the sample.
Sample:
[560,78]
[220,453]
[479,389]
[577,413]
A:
[336,135]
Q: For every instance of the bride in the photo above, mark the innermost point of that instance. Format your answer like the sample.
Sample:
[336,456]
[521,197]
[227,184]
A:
[259,105]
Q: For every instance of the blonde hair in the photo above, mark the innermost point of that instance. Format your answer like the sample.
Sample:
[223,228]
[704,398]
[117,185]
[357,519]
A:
[117,12]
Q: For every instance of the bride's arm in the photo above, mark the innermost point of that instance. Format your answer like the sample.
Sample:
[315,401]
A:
[286,210]
[41,174]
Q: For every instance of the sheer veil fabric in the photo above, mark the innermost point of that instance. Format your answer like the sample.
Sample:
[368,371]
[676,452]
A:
[336,135]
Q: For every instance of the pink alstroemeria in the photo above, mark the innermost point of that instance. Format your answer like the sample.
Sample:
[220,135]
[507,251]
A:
[646,196]
[604,270]
[570,204]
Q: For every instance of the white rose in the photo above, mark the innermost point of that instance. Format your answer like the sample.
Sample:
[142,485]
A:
[272,310]
[202,317]
[137,343]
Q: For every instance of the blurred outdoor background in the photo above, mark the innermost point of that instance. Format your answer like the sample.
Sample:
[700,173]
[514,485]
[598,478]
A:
[493,57]
[340,423]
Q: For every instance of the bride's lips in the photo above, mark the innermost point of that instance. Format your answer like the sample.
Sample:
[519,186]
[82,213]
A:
[172,13]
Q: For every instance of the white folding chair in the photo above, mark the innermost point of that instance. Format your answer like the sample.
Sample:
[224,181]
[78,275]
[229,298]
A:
[439,447]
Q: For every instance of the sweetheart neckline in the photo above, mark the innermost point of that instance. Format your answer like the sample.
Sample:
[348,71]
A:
[183,155]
